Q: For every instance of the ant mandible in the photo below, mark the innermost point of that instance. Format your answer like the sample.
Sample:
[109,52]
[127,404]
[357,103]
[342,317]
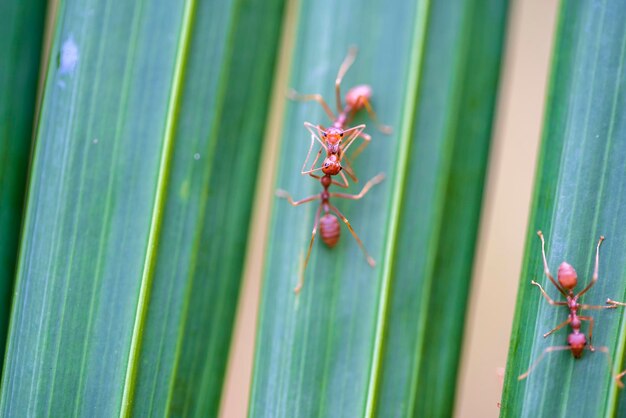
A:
[333,143]
[567,281]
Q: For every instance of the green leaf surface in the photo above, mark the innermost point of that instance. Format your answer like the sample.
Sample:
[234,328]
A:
[440,208]
[137,216]
[579,195]
[218,140]
[354,334]
[21,32]
[92,210]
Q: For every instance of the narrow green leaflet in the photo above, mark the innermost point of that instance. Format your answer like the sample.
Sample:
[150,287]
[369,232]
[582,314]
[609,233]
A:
[21,31]
[314,351]
[335,350]
[93,207]
[440,208]
[217,144]
[580,194]
[142,185]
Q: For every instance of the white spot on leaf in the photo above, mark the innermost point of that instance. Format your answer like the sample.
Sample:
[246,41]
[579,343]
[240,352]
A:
[68,58]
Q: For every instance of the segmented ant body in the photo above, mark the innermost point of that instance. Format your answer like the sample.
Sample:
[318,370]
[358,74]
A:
[328,223]
[567,281]
[331,139]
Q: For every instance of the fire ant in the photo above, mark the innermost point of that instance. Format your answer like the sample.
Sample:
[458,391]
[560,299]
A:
[328,224]
[567,281]
[356,99]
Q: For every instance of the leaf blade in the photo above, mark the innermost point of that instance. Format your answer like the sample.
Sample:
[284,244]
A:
[84,143]
[578,196]
[312,349]
[23,21]
[432,267]
[214,166]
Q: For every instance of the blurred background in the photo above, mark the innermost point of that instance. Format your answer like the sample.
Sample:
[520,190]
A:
[501,240]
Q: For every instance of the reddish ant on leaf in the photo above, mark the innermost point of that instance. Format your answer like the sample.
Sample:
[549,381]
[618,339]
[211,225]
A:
[338,138]
[567,281]
[335,140]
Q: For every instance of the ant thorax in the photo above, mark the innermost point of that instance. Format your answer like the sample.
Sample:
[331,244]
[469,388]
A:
[572,302]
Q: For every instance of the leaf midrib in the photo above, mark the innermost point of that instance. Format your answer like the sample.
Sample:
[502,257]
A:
[157,210]
[414,75]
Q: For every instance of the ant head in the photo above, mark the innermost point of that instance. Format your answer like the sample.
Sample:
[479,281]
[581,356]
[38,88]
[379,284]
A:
[331,165]
[567,276]
[577,343]
[332,135]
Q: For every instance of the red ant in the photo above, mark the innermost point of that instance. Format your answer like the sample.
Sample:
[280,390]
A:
[567,281]
[329,225]
[357,98]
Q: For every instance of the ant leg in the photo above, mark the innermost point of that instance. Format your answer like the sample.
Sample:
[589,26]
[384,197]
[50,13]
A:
[369,258]
[546,351]
[284,195]
[316,131]
[298,287]
[358,130]
[548,298]
[615,303]
[358,133]
[294,95]
[558,327]
[386,129]
[595,270]
[345,181]
[611,305]
[343,69]
[308,156]
[349,170]
[374,181]
[617,377]
[361,147]
[590,319]
[311,171]
[546,270]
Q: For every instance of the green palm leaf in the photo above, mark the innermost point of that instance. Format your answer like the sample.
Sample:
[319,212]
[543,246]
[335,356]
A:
[579,195]
[351,343]
[214,164]
[21,31]
[127,281]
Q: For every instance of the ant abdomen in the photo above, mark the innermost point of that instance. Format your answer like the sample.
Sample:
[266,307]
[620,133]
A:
[358,95]
[566,275]
[577,342]
[330,230]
